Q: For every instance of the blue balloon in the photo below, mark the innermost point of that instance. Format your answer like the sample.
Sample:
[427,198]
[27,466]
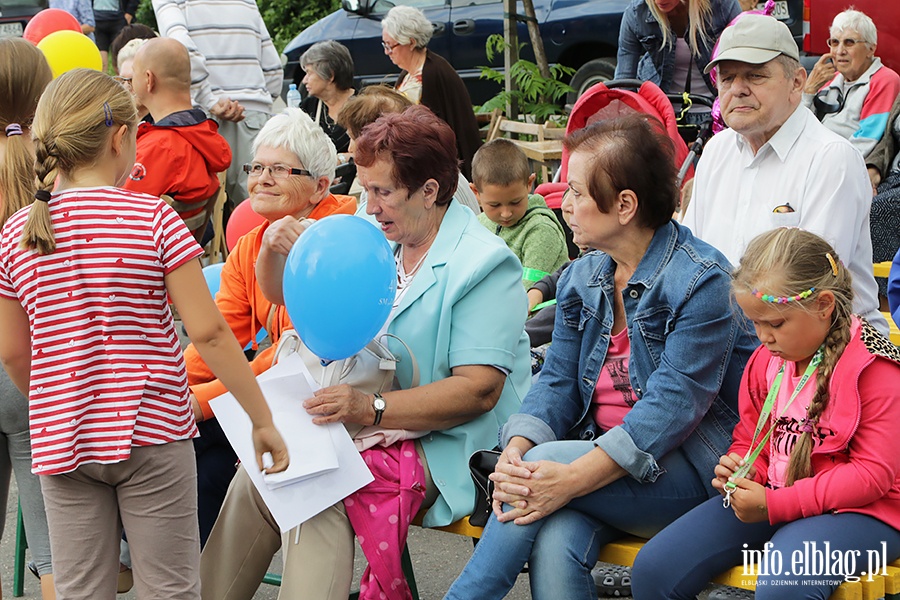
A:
[339,284]
[213,275]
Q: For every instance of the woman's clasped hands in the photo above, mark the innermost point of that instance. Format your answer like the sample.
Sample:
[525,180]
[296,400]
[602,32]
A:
[534,490]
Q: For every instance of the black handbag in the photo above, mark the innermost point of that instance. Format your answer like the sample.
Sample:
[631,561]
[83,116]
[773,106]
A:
[481,464]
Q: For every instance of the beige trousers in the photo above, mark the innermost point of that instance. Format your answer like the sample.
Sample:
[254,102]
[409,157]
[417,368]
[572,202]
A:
[318,561]
[153,495]
[318,556]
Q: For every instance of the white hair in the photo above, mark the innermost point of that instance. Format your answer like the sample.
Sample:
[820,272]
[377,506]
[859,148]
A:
[294,131]
[408,24]
[857,21]
[130,50]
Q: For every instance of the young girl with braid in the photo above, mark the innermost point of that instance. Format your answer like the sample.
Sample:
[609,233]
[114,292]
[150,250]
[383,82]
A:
[24,73]
[86,275]
[814,459]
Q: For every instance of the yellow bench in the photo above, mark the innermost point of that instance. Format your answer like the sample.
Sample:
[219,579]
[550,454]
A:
[883,269]
[624,551]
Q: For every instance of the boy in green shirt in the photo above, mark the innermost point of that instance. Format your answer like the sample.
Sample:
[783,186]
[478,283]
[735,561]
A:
[501,181]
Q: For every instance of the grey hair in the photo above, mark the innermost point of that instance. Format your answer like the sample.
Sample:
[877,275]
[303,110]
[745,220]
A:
[130,50]
[789,64]
[857,21]
[331,61]
[293,130]
[408,24]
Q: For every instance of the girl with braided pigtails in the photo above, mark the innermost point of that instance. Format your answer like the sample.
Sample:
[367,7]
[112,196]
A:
[814,470]
[86,275]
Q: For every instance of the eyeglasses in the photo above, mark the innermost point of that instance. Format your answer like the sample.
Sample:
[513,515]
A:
[276,171]
[126,81]
[389,48]
[848,43]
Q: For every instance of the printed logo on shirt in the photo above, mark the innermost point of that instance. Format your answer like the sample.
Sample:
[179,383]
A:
[138,172]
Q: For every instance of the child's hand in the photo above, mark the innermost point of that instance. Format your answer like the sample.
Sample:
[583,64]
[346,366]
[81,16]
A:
[267,439]
[749,501]
[726,468]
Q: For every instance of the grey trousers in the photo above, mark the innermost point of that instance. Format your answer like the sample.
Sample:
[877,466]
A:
[240,138]
[153,495]
[15,457]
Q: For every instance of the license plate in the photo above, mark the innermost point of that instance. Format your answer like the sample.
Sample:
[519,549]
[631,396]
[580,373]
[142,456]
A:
[10,29]
[781,10]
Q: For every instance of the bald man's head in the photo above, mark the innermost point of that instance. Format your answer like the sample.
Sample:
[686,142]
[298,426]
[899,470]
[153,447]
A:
[169,62]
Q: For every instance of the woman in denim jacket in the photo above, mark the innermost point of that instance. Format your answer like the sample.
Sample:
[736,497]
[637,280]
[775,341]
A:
[658,39]
[638,395]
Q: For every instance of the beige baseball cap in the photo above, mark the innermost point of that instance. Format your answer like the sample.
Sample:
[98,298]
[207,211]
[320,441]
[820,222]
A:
[754,39]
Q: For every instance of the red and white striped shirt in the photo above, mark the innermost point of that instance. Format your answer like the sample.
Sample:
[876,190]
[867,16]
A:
[107,371]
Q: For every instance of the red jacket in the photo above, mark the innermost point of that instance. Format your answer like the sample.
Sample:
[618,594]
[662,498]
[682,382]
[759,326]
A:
[857,469]
[180,157]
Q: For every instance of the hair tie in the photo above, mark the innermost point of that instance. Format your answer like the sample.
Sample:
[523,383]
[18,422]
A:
[808,427]
[13,129]
[834,267]
[107,115]
[42,195]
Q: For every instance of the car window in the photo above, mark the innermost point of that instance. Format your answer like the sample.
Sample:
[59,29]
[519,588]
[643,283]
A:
[39,4]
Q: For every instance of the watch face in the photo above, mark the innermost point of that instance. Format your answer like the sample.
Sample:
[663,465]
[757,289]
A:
[379,404]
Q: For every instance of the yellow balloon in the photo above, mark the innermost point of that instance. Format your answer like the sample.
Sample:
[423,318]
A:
[67,50]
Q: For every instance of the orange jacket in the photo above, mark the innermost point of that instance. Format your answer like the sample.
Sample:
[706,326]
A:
[245,308]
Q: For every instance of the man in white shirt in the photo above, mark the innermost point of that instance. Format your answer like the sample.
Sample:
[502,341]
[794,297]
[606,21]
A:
[778,166]
[235,71]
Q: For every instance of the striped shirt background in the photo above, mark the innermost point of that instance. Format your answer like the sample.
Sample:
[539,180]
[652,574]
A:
[232,55]
[107,371]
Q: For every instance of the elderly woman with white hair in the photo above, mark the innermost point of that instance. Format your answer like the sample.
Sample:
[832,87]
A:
[849,89]
[328,78]
[430,80]
[288,180]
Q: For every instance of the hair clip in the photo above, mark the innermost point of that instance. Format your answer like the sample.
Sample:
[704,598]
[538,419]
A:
[834,267]
[107,115]
[783,299]
[808,427]
[13,129]
[42,195]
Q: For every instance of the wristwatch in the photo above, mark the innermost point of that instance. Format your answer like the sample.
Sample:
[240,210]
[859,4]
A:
[379,405]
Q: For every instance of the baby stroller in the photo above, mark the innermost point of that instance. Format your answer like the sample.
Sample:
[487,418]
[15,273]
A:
[615,99]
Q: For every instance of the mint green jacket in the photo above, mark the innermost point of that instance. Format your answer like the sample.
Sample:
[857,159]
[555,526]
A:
[465,306]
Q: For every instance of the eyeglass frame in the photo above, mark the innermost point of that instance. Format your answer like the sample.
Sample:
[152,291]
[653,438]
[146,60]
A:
[248,169]
[124,80]
[389,48]
[835,42]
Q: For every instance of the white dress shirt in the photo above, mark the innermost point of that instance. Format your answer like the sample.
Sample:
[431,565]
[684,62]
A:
[818,173]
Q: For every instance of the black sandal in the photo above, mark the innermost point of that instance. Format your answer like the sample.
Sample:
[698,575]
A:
[612,580]
[731,593]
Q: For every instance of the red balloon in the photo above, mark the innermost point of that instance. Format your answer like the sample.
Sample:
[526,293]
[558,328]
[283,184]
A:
[241,221]
[49,20]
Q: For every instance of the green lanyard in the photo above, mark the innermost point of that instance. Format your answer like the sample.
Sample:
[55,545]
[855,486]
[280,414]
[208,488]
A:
[768,405]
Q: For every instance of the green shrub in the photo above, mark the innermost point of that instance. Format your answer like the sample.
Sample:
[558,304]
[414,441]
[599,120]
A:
[536,95]
[284,18]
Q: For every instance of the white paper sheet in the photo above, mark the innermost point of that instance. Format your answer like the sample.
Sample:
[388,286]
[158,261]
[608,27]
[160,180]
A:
[285,386]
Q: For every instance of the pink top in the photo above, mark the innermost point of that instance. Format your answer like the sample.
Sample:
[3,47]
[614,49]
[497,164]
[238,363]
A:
[613,396]
[787,426]
[107,371]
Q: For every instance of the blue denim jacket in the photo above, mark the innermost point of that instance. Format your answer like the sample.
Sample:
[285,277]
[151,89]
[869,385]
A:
[642,55]
[689,347]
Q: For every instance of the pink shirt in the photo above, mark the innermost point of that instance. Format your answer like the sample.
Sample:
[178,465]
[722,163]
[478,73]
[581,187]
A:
[613,396]
[107,371]
[787,426]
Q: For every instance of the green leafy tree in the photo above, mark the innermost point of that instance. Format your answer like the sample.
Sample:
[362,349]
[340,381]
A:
[536,95]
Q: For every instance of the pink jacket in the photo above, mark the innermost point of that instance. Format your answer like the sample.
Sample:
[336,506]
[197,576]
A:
[857,469]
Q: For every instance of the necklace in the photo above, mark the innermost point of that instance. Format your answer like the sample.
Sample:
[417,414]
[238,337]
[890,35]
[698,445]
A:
[404,277]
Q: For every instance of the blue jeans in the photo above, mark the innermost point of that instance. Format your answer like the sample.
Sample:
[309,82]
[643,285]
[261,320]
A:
[562,548]
[681,560]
